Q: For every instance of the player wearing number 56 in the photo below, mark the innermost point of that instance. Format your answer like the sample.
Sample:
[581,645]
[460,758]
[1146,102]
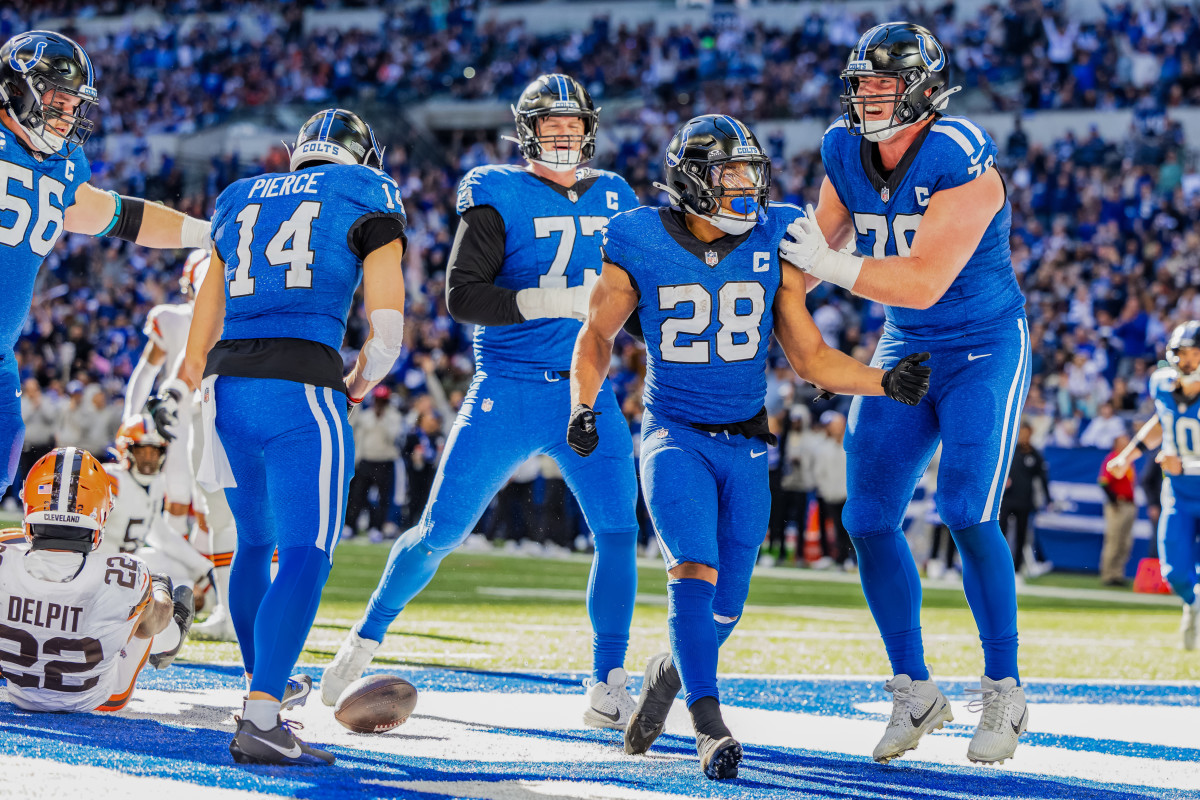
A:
[525,256]
[290,250]
[703,277]
[46,92]
[77,625]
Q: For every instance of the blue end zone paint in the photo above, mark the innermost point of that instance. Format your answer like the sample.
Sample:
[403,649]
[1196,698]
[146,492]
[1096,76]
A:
[155,747]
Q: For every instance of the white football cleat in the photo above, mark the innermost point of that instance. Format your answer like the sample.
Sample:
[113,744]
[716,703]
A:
[217,628]
[918,707]
[347,666]
[1187,626]
[1005,718]
[609,703]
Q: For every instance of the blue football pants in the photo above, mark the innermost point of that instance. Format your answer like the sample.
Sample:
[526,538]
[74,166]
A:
[292,454]
[973,409]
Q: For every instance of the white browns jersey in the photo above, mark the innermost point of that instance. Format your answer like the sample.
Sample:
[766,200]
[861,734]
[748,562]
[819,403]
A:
[135,509]
[167,326]
[61,642]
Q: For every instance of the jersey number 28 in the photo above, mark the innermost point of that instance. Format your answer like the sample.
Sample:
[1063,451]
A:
[738,337]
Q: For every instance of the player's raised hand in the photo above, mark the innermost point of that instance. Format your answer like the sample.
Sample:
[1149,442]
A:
[908,381]
[581,430]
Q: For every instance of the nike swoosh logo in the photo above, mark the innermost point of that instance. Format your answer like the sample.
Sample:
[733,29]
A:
[973,357]
[918,721]
[1017,728]
[756,455]
[616,715]
[290,752]
[18,392]
[978,156]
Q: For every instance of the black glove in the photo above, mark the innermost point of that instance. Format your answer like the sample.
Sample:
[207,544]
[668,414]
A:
[164,408]
[581,430]
[908,381]
[162,581]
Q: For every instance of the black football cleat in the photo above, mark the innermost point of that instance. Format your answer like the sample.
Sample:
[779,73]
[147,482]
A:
[296,692]
[659,688]
[184,614]
[719,758]
[277,746]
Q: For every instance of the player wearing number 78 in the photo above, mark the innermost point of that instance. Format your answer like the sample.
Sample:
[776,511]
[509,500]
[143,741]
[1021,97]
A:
[46,92]
[704,279]
[918,194]
[290,251]
[525,256]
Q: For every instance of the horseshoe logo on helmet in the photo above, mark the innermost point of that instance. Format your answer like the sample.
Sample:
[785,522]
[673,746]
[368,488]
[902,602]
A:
[927,43]
[24,67]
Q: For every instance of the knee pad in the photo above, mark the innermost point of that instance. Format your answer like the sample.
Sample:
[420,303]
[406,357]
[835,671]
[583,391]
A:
[863,516]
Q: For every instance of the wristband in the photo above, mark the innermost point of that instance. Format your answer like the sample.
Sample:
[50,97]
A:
[838,268]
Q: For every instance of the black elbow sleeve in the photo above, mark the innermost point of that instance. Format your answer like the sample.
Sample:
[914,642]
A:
[127,218]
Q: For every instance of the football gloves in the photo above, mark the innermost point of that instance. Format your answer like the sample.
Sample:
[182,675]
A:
[164,409]
[908,381]
[581,430]
[805,248]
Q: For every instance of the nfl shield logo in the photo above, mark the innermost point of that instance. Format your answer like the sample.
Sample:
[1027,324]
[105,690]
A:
[487,404]
[573,197]
[884,194]
[710,258]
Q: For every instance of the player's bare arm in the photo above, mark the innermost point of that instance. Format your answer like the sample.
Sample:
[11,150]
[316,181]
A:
[156,615]
[383,296]
[207,320]
[100,213]
[831,369]
[950,232]
[613,299]
[1150,435]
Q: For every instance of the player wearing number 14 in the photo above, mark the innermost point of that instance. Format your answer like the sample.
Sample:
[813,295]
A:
[291,249]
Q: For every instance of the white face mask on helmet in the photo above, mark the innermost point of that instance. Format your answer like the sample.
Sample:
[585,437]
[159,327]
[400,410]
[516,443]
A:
[558,160]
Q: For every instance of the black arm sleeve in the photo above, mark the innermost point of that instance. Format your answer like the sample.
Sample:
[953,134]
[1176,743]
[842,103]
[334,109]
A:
[372,231]
[475,261]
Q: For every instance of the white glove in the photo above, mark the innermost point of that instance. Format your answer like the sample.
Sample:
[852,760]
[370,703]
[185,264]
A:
[806,249]
[569,303]
[1117,466]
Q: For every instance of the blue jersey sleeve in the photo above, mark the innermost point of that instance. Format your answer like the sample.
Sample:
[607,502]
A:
[964,151]
[474,190]
[81,168]
[832,146]
[222,209]
[617,244]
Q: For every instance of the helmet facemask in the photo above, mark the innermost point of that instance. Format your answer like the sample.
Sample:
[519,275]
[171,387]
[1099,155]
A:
[147,459]
[1187,367]
[557,152]
[735,196]
[57,118]
[908,101]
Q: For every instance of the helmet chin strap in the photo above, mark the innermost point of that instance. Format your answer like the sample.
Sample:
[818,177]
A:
[733,226]
[559,166]
[1190,379]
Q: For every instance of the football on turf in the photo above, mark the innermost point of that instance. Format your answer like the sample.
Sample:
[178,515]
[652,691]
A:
[375,704]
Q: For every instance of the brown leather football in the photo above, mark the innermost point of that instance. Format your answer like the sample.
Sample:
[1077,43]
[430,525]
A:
[375,704]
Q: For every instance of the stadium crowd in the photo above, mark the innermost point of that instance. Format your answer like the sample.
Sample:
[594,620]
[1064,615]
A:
[1020,54]
[1104,230]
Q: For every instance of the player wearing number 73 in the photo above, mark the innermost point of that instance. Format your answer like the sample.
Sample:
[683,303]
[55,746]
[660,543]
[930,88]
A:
[290,251]
[705,281]
[524,259]
[917,193]
[46,91]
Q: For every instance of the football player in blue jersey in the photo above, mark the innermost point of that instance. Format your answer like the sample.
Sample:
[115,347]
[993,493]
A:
[704,277]
[1175,390]
[524,260]
[47,88]
[919,195]
[292,249]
